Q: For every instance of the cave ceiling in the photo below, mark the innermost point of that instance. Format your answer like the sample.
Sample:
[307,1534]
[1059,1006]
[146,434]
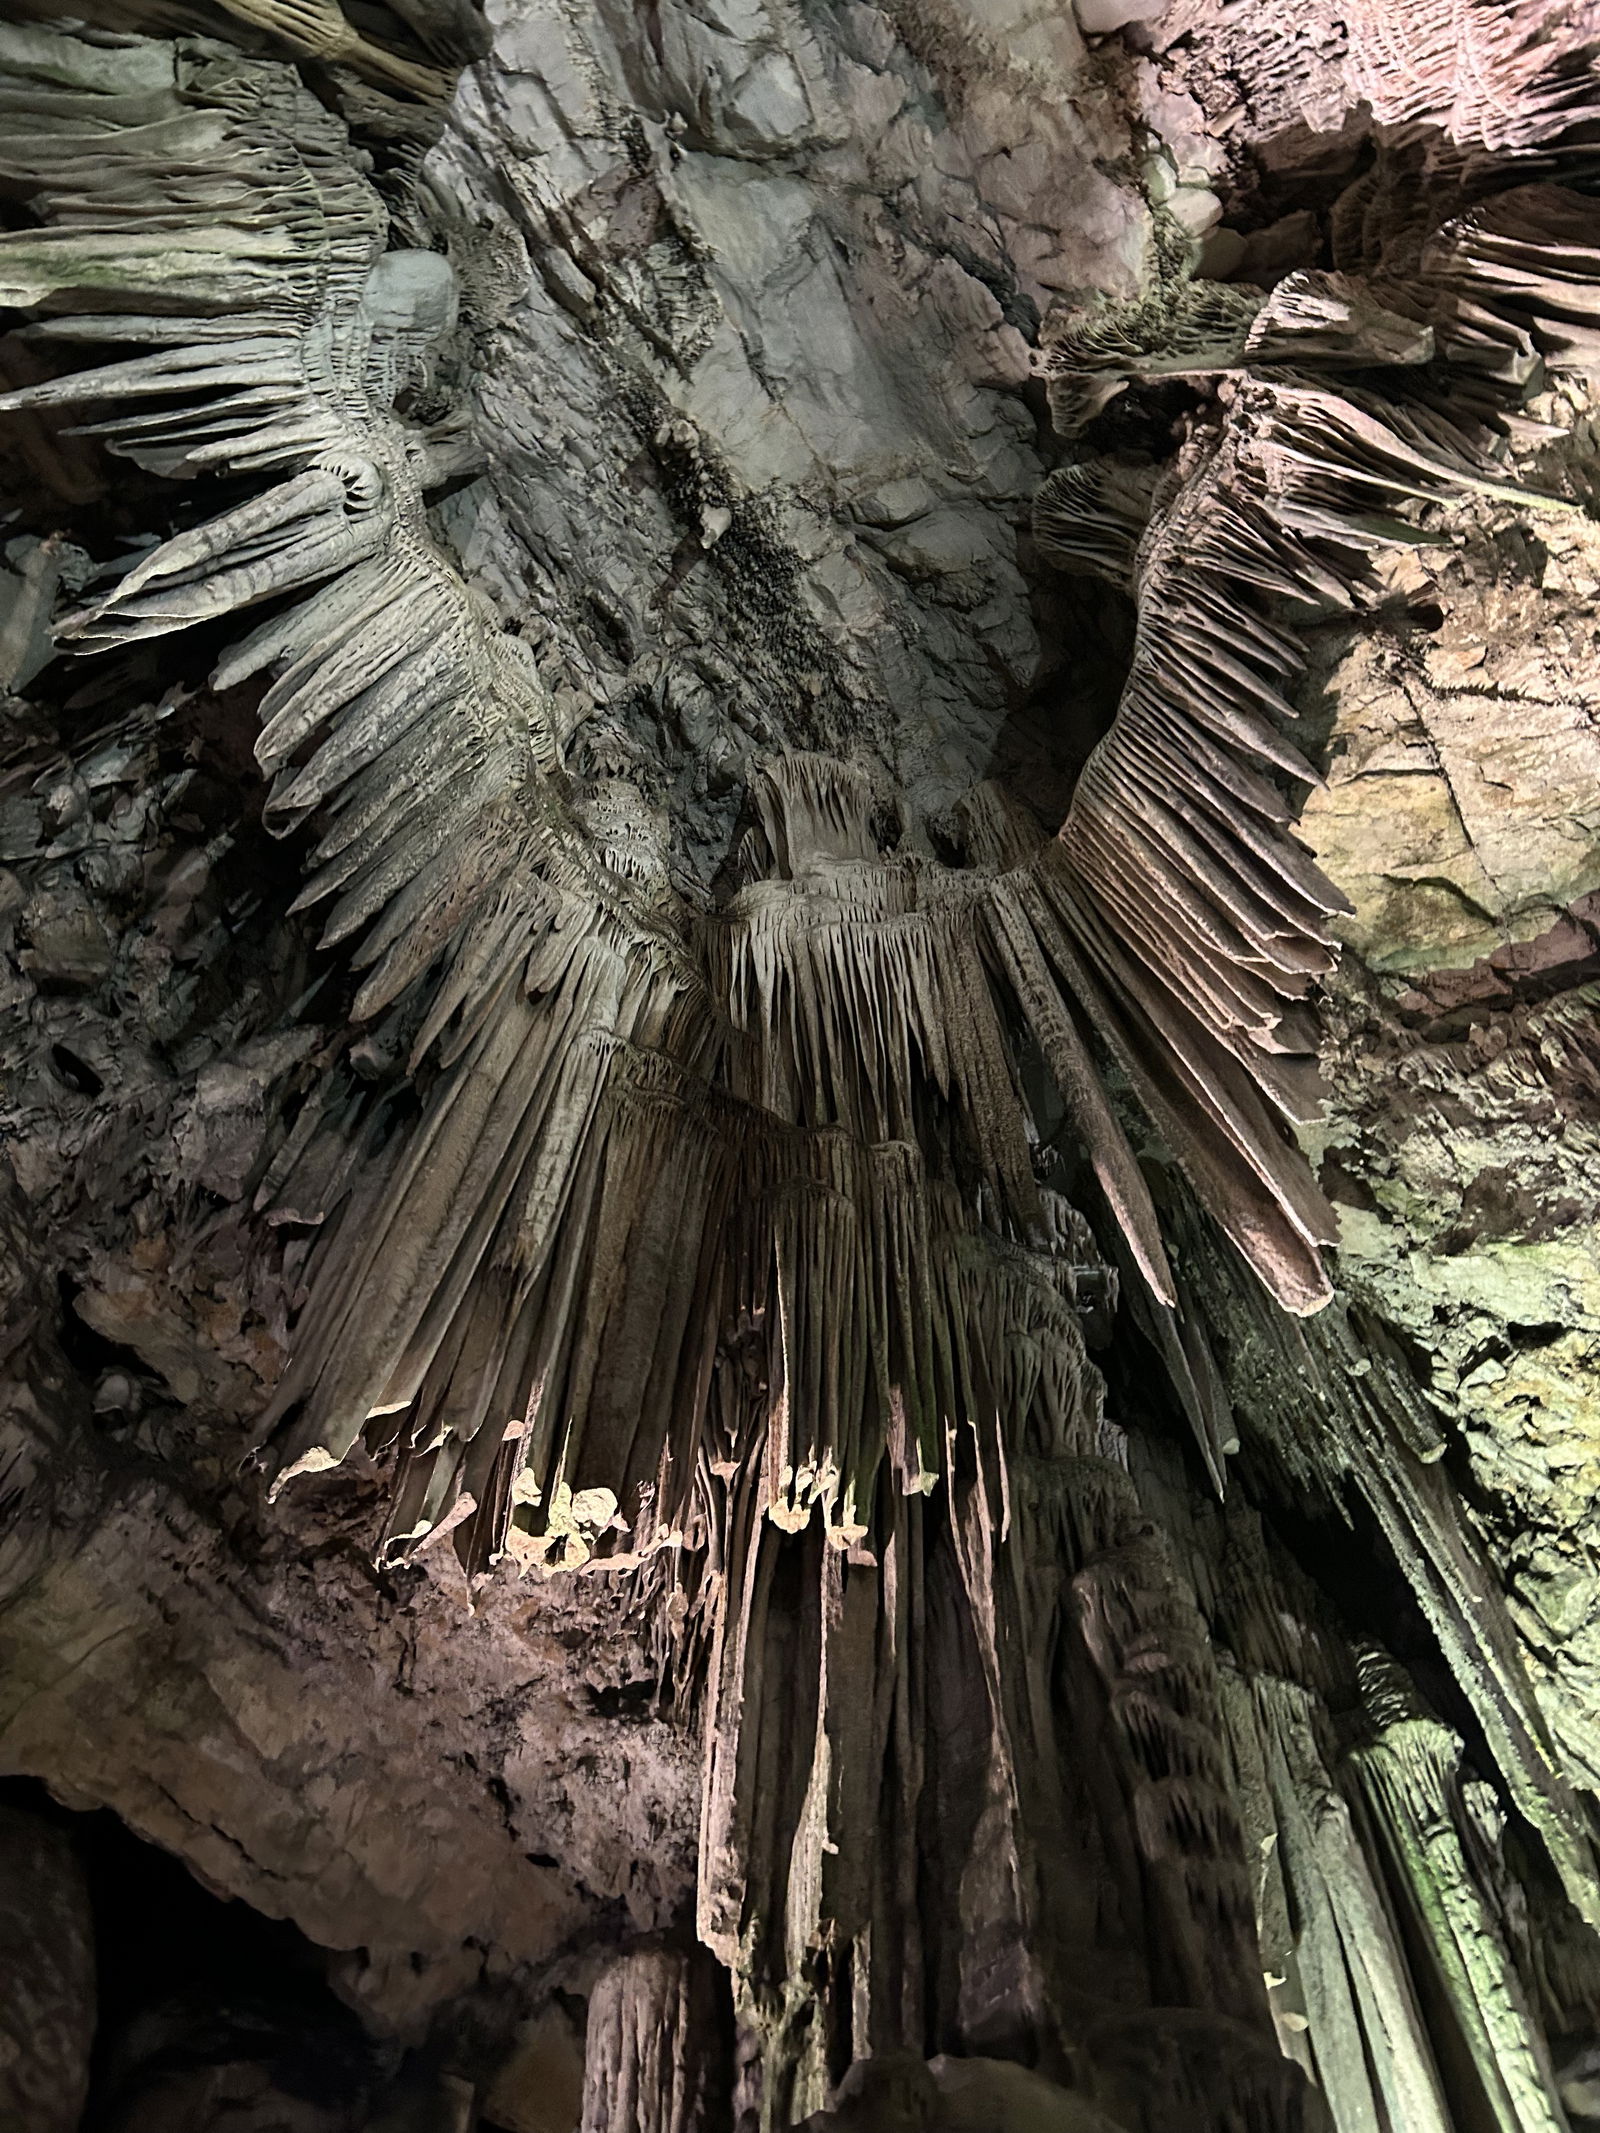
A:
[800,874]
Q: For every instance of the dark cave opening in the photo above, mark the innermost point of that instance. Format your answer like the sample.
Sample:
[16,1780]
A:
[200,2001]
[205,2012]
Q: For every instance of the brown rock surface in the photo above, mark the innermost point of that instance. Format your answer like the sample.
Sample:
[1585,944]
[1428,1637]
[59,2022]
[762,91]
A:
[1462,809]
[429,1791]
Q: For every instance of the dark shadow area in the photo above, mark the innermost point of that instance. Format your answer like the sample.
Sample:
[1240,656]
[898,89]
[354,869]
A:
[196,1993]
[1049,731]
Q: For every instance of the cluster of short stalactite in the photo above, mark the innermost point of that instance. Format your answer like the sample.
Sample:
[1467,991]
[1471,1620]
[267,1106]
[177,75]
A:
[731,1247]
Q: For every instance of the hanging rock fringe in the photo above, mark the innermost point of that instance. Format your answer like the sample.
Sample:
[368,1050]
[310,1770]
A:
[651,1134]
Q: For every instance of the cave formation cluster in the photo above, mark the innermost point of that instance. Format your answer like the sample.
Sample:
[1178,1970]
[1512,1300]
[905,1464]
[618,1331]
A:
[800,887]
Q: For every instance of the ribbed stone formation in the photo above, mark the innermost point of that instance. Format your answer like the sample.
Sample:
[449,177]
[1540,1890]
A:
[800,1226]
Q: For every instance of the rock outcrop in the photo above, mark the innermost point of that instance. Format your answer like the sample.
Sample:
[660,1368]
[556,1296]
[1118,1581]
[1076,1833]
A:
[797,887]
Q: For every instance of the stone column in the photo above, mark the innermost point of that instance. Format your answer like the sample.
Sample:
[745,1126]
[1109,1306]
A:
[657,2046]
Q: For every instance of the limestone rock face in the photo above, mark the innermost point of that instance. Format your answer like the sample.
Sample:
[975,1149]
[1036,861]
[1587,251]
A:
[539,2089]
[799,923]
[242,1724]
[1475,1231]
[1464,787]
[840,231]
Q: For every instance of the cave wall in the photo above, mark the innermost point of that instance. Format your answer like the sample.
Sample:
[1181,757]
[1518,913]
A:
[750,423]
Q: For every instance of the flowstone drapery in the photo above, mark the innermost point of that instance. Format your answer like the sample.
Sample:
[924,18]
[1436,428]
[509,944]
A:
[743,1219]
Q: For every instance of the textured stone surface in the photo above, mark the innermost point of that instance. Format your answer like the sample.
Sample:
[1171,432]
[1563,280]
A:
[749,298]
[1472,1224]
[838,228]
[539,2088]
[47,1978]
[1463,801]
[435,1794]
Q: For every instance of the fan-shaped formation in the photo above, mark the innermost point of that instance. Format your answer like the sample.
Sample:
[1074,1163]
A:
[1508,76]
[650,1137]
[1181,885]
[692,1193]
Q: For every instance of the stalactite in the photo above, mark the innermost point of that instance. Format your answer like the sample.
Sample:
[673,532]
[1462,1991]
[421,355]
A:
[654,2056]
[722,1252]
[1344,1997]
[1410,1783]
[1367,1426]
[1187,896]
[1029,1589]
[843,991]
[470,1293]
